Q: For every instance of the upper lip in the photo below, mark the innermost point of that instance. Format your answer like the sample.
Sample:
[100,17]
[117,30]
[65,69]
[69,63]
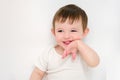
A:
[67,42]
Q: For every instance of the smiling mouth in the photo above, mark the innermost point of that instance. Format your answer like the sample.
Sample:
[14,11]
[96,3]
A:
[67,42]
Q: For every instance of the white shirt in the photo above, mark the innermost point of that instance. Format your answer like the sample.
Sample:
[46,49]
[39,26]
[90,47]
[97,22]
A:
[61,69]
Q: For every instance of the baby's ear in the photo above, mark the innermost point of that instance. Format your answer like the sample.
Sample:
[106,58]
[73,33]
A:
[53,31]
[86,32]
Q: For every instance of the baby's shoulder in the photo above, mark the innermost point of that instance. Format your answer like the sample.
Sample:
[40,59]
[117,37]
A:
[46,50]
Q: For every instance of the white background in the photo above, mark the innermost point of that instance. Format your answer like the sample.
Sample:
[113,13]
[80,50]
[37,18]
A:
[25,29]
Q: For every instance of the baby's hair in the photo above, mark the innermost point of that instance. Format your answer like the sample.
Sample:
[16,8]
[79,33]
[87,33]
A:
[71,12]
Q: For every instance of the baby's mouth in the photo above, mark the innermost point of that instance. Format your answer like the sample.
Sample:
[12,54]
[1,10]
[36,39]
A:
[67,42]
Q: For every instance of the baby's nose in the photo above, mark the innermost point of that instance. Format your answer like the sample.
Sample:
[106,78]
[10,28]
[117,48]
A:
[67,35]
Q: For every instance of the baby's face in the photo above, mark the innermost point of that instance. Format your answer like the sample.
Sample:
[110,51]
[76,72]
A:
[65,32]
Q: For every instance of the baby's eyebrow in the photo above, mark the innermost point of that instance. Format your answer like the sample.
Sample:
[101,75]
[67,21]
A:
[74,28]
[58,28]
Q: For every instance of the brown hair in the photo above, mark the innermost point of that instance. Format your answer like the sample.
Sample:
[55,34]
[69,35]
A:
[71,12]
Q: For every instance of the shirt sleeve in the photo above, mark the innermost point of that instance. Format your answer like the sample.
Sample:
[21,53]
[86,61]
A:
[42,61]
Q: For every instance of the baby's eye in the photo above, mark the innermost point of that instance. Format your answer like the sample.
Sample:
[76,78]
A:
[60,30]
[73,30]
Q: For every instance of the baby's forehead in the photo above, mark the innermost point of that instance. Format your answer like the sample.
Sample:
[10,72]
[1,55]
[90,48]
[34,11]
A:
[75,23]
[69,20]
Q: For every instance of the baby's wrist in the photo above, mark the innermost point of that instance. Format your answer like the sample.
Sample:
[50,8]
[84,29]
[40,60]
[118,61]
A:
[79,43]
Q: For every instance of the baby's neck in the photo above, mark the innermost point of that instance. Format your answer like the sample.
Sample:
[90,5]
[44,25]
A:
[59,49]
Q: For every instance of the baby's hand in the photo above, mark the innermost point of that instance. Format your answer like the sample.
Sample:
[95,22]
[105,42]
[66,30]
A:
[72,49]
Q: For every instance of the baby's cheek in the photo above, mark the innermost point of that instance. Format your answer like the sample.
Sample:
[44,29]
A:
[78,37]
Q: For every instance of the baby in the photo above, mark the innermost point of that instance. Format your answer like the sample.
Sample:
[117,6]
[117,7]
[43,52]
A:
[67,59]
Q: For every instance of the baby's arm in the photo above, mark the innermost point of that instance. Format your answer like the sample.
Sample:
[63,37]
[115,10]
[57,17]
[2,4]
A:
[88,54]
[37,74]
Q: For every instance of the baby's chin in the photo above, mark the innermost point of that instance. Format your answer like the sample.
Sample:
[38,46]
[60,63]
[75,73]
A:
[62,47]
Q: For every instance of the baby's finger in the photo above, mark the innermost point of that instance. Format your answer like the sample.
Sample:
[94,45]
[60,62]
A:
[74,54]
[68,52]
[64,54]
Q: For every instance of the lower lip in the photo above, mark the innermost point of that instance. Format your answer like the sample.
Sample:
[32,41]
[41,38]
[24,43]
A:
[66,43]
